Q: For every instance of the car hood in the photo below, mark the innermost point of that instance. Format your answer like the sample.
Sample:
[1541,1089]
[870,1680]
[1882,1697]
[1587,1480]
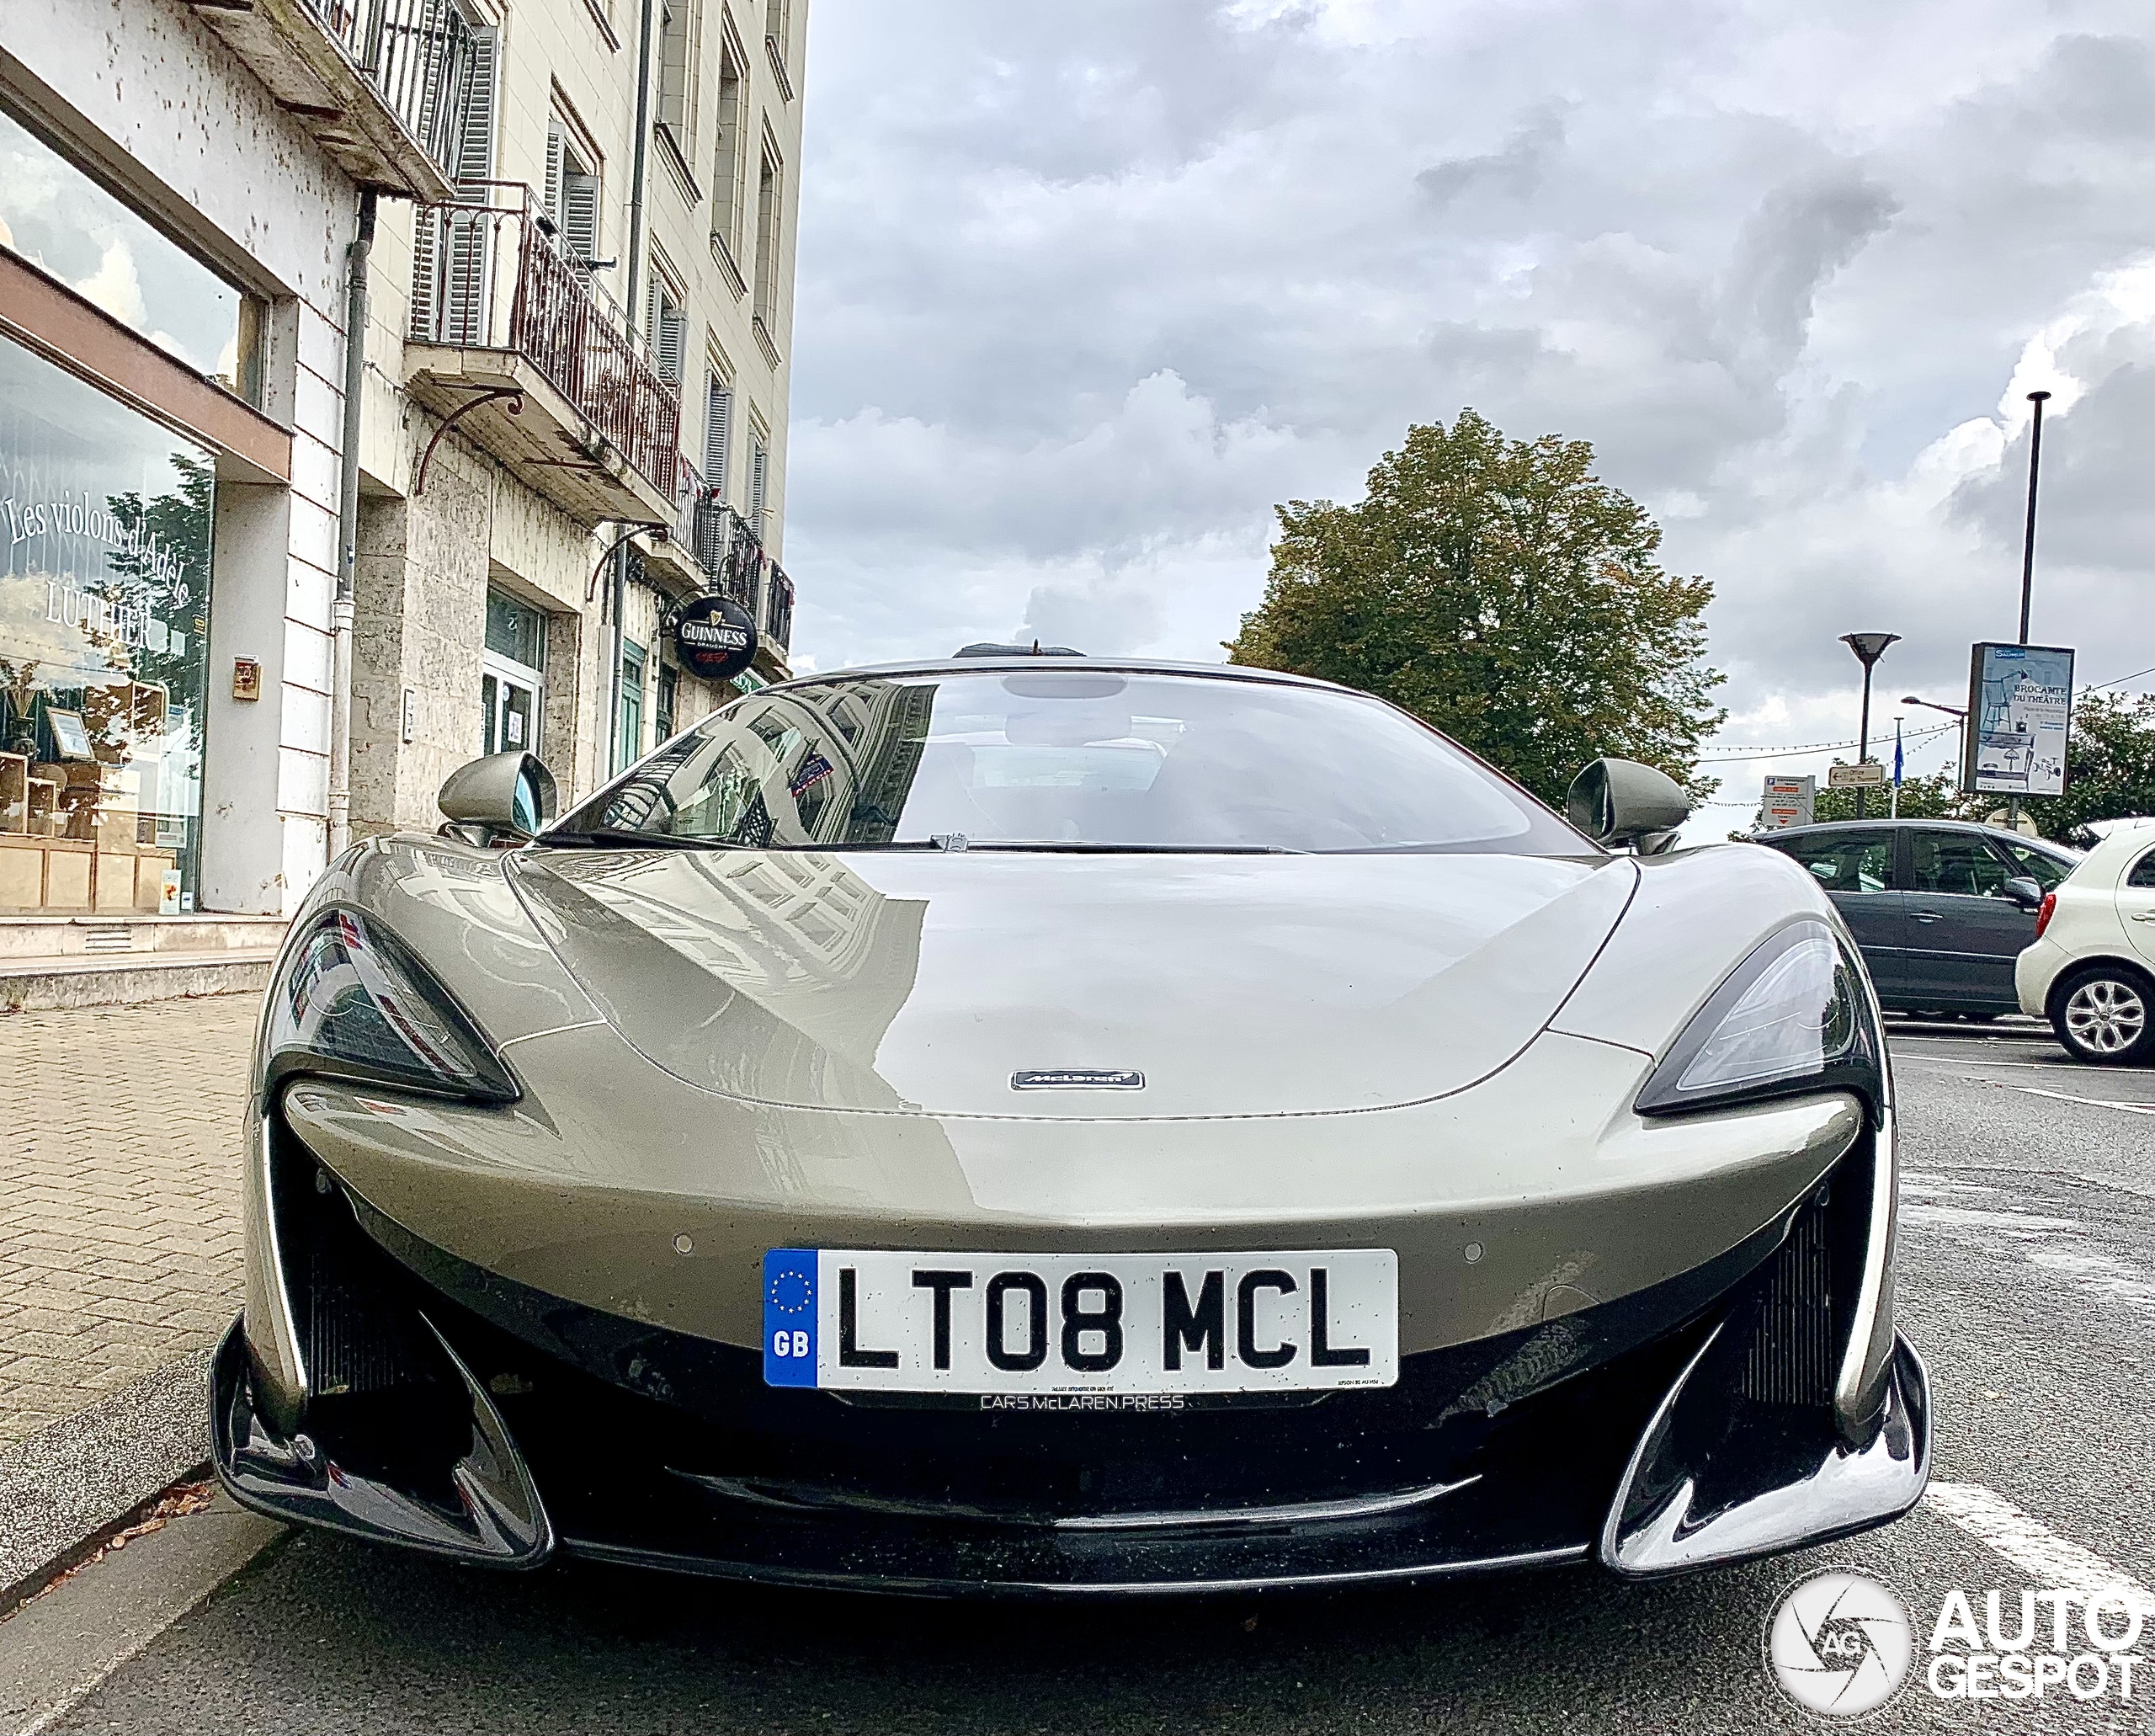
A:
[925,984]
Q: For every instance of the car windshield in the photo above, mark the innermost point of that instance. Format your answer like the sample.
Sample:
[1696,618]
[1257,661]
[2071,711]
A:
[1065,758]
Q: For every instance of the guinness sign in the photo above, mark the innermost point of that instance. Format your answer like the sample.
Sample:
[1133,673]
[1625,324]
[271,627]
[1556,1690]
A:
[714,638]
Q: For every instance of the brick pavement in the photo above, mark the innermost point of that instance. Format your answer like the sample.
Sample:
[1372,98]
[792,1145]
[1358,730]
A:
[119,1235]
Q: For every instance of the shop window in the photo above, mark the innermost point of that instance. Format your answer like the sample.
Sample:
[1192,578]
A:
[67,226]
[513,675]
[105,522]
[628,744]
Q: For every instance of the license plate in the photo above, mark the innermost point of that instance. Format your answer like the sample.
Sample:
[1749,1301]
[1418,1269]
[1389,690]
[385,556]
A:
[880,1321]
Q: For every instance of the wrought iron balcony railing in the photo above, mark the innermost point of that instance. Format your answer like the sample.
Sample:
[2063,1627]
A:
[728,548]
[488,272]
[418,55]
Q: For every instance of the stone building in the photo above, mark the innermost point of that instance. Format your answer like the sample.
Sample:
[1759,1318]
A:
[231,634]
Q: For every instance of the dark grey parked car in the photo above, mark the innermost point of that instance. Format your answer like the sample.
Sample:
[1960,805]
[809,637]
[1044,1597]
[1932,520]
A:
[1941,908]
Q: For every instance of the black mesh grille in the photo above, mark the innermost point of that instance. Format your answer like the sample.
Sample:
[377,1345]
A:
[1790,1360]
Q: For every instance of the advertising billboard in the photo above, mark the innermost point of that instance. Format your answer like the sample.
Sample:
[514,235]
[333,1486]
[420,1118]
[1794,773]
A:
[2019,711]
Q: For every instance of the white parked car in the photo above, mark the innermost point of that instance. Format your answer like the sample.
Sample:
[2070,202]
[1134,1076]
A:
[2091,971]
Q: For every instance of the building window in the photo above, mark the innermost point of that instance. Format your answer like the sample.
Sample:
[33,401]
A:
[777,24]
[667,678]
[71,229]
[718,433]
[769,205]
[452,254]
[572,193]
[729,164]
[666,330]
[512,677]
[105,522]
[676,76]
[759,486]
[628,744]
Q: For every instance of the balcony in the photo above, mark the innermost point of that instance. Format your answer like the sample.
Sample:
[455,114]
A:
[382,85]
[511,339]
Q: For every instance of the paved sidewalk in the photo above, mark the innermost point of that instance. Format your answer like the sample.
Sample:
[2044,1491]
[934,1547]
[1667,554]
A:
[120,1236]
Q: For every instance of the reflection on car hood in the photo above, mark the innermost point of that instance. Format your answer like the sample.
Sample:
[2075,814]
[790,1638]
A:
[1235,985]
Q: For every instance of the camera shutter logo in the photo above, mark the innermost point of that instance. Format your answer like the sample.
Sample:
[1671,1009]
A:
[1839,1644]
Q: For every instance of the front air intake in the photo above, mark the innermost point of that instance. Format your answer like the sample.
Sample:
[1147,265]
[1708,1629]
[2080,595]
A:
[1792,1354]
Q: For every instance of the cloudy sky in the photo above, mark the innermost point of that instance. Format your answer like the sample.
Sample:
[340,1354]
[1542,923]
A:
[1085,288]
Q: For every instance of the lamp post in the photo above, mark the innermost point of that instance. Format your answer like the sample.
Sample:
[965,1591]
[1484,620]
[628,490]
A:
[1868,647]
[2028,539]
[1953,711]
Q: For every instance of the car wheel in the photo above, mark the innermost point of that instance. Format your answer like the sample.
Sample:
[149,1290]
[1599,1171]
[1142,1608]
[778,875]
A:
[2105,1014]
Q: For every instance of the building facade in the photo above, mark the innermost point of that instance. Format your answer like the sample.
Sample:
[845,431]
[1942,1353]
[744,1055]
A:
[239,624]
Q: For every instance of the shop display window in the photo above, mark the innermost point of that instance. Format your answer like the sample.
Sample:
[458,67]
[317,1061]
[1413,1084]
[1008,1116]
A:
[71,229]
[105,522]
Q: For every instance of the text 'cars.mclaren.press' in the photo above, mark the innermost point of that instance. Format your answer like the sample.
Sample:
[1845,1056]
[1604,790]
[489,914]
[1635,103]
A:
[1064,1124]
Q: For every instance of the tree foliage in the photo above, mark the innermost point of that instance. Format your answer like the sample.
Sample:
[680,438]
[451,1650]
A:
[1499,589]
[2109,763]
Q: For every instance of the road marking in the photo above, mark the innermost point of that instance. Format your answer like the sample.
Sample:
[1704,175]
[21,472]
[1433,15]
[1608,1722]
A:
[2131,1109]
[2032,1547]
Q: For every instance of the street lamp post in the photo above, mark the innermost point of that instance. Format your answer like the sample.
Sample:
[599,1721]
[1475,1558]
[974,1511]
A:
[2028,553]
[1868,647]
[2028,539]
[1953,711]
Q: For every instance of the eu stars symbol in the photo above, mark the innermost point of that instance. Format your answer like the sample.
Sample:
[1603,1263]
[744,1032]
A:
[790,1317]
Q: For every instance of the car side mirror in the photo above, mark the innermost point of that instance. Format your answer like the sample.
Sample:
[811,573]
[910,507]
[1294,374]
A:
[1620,801]
[502,799]
[2024,891]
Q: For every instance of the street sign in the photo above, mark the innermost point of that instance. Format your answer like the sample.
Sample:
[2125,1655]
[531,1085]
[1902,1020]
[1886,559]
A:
[2019,716]
[1788,801]
[1868,775]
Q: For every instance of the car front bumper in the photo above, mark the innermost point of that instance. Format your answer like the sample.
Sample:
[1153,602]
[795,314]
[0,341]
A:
[448,1409]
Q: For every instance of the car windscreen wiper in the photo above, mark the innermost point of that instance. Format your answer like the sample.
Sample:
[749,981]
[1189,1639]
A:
[1066,847]
[618,837]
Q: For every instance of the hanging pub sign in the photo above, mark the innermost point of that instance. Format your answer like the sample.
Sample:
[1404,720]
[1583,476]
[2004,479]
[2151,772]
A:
[714,638]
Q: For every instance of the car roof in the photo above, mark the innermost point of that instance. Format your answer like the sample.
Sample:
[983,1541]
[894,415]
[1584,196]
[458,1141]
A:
[1031,665]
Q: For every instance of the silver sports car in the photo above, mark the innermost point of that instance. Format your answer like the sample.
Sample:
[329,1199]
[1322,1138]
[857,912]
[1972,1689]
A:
[1035,1124]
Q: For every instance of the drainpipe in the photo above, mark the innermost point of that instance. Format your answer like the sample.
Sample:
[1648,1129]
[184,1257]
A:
[348,532]
[644,23]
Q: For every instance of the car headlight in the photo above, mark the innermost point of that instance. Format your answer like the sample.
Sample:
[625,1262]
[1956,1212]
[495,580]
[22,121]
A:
[351,1001]
[1797,1016]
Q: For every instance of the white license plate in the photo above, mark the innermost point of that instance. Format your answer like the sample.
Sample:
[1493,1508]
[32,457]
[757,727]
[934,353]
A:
[1275,1322]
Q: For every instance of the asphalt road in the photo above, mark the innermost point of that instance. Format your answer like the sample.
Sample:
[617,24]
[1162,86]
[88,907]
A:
[2028,1281]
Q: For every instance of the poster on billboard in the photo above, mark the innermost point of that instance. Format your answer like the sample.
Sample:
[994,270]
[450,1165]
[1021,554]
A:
[1787,801]
[2019,712]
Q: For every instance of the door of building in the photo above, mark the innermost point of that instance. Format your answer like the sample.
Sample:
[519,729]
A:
[512,677]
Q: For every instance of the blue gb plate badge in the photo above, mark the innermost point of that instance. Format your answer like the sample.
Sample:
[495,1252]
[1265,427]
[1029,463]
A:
[790,1317]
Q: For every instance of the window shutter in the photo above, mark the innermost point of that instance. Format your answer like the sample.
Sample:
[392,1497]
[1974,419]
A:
[718,436]
[475,143]
[580,214]
[672,329]
[554,149]
[760,477]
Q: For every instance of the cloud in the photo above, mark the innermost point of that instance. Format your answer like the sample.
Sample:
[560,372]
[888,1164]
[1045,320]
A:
[114,286]
[1085,291]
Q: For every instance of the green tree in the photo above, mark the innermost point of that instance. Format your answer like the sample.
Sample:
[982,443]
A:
[1499,589]
[2109,763]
